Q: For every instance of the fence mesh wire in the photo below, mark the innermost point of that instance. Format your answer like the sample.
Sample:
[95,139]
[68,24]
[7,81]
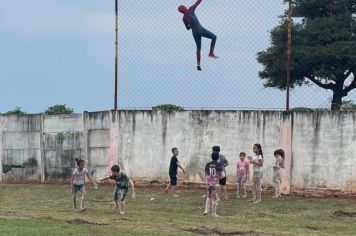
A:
[157,62]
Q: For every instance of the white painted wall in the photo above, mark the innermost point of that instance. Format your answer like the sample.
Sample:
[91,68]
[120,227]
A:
[320,145]
[324,150]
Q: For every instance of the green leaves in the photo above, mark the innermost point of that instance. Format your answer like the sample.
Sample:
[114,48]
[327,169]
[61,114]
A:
[167,108]
[323,47]
[58,109]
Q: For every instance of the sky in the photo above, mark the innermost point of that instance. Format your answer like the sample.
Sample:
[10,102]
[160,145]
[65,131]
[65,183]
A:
[62,52]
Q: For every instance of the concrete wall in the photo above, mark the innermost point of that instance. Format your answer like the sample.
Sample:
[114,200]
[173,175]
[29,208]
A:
[20,146]
[320,145]
[324,150]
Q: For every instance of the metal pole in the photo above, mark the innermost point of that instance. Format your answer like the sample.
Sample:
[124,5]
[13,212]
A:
[289,53]
[116,52]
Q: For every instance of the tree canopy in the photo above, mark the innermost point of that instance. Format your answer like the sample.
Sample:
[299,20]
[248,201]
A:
[323,48]
[58,109]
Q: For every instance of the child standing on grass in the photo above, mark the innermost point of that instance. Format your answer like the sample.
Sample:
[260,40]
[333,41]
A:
[224,163]
[257,163]
[213,173]
[243,174]
[173,171]
[78,183]
[279,156]
[122,187]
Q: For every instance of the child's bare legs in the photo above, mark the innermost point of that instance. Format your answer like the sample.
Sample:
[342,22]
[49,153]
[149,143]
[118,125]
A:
[214,203]
[74,199]
[82,200]
[173,190]
[244,189]
[277,191]
[207,206]
[167,188]
[122,211]
[212,200]
[120,205]
[254,183]
[241,189]
[225,192]
[173,184]
[238,190]
[258,189]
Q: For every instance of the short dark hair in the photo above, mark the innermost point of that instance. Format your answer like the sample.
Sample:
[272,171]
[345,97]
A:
[216,148]
[242,154]
[115,168]
[280,152]
[215,156]
[173,149]
[79,161]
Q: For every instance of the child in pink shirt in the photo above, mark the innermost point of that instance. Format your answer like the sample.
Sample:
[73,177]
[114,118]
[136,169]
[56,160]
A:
[242,174]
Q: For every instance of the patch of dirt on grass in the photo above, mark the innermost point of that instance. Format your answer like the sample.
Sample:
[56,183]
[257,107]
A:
[312,227]
[84,222]
[340,213]
[206,231]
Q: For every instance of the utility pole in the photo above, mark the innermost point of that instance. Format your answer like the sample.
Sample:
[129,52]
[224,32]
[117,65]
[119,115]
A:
[116,52]
[289,54]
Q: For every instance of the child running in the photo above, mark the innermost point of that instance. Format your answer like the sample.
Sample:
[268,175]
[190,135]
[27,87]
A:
[173,171]
[242,174]
[78,183]
[257,163]
[213,172]
[121,188]
[279,156]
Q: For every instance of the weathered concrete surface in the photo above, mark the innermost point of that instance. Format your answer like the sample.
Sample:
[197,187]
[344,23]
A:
[20,147]
[320,146]
[147,138]
[324,149]
[98,142]
[63,141]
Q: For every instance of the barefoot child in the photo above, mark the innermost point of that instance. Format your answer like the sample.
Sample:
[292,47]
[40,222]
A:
[243,174]
[278,164]
[257,163]
[78,183]
[173,171]
[213,172]
[122,187]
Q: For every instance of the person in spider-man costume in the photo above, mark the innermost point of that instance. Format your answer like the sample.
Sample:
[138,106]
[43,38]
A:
[191,22]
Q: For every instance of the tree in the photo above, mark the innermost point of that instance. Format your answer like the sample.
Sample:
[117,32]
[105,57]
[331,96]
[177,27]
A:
[16,111]
[348,106]
[58,109]
[167,108]
[323,48]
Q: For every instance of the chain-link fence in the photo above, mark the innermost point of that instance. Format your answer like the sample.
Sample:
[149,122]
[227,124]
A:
[157,63]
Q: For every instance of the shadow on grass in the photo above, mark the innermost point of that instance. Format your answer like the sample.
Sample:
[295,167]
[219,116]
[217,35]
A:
[215,231]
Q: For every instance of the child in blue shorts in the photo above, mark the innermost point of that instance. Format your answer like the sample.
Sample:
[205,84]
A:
[122,187]
[78,183]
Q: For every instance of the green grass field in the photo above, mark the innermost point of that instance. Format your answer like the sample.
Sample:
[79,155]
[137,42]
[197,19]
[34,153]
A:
[47,210]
